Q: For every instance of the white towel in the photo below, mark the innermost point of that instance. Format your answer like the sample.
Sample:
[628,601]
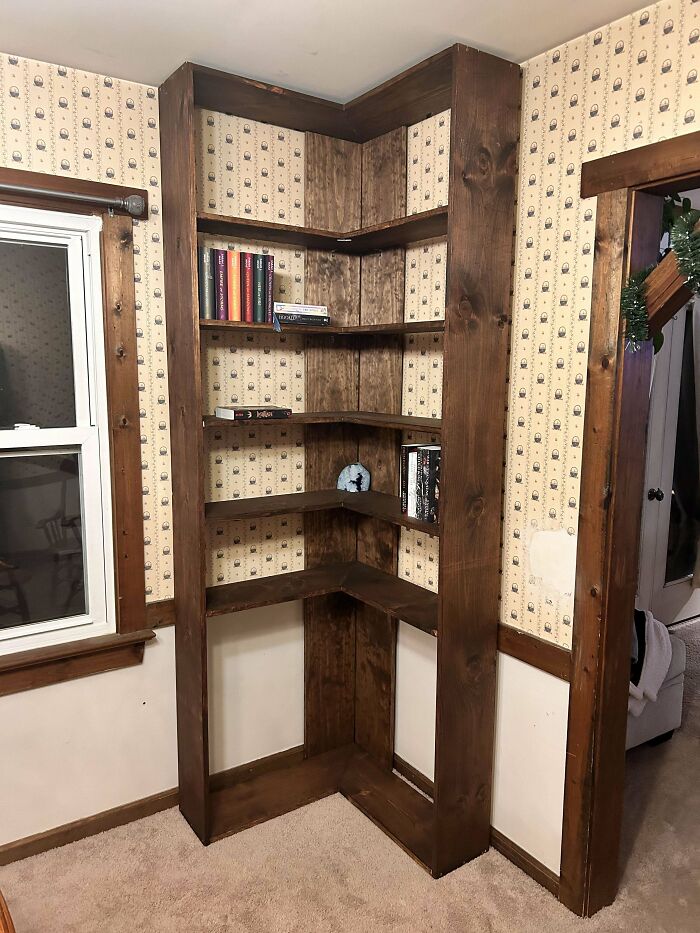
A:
[657,660]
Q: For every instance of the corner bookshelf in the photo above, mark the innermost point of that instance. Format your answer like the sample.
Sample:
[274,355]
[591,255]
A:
[355,239]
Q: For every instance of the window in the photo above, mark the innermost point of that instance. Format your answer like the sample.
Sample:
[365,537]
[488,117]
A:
[56,554]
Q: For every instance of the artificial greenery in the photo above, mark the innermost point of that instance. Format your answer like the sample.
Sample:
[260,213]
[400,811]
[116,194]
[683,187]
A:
[674,205]
[633,304]
[685,242]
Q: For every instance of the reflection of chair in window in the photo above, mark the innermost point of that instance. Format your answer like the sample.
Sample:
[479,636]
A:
[9,582]
[64,538]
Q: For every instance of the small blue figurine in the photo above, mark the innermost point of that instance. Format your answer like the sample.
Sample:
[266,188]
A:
[354,478]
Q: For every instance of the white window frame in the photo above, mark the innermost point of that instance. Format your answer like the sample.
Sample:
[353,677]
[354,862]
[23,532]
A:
[80,235]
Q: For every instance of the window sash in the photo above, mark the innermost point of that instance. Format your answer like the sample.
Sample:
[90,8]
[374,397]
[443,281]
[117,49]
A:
[89,438]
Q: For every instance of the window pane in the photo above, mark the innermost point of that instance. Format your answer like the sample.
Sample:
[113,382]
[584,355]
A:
[36,356]
[41,541]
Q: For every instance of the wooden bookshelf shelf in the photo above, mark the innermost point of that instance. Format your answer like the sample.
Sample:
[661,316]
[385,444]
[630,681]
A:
[355,164]
[372,419]
[388,235]
[359,330]
[384,591]
[372,504]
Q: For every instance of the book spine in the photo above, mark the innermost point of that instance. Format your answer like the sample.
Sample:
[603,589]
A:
[258,288]
[234,284]
[288,307]
[420,485]
[220,285]
[260,414]
[206,284]
[433,485]
[303,319]
[411,484]
[247,287]
[269,287]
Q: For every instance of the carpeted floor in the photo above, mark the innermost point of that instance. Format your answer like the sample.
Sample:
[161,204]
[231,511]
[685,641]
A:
[326,868]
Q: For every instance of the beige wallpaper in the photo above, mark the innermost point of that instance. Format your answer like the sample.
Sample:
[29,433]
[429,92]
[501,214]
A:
[66,122]
[627,84]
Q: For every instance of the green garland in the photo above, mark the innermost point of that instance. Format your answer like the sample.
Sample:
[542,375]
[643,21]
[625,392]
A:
[633,304]
[686,245]
[685,242]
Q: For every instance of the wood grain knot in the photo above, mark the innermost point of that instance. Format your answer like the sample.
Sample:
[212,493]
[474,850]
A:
[126,239]
[123,422]
[476,507]
[120,352]
[594,591]
[118,308]
[605,362]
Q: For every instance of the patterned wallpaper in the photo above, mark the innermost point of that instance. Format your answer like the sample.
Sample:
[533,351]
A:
[67,122]
[627,84]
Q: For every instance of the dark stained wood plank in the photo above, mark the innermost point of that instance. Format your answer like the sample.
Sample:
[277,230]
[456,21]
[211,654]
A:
[40,667]
[541,654]
[379,505]
[274,589]
[161,613]
[124,425]
[674,162]
[612,474]
[400,810]
[331,330]
[416,93]
[666,291]
[61,188]
[430,426]
[187,442]
[483,147]
[252,769]
[525,862]
[333,184]
[384,177]
[414,776]
[354,240]
[268,103]
[393,595]
[272,793]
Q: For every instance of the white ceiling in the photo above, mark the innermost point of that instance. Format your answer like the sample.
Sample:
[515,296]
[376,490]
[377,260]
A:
[333,48]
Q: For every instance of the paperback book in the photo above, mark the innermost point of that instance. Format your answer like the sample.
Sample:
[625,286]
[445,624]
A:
[420,481]
[254,413]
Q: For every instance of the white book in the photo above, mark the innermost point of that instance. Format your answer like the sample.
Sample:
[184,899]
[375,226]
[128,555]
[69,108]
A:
[287,307]
[412,482]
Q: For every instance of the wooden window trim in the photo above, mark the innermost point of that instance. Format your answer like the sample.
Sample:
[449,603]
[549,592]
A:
[39,667]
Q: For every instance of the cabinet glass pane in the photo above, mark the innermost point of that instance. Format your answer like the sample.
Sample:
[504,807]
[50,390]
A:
[41,540]
[36,356]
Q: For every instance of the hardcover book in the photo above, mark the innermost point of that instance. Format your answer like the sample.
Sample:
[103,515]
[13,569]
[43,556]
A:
[287,307]
[266,413]
[269,286]
[220,284]
[247,287]
[284,318]
[258,288]
[206,284]
[233,272]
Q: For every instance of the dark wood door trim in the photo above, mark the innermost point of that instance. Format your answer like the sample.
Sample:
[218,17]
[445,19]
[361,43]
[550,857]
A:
[627,236]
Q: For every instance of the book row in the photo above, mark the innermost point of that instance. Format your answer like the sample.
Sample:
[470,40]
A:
[235,286]
[420,481]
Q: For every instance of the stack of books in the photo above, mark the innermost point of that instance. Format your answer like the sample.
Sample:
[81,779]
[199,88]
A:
[235,286]
[420,481]
[301,314]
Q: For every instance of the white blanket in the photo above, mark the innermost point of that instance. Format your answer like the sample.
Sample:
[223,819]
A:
[657,660]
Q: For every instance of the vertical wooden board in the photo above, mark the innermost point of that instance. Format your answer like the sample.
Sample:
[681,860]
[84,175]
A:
[381,361]
[332,370]
[180,241]
[483,163]
[384,177]
[333,183]
[612,484]
[124,429]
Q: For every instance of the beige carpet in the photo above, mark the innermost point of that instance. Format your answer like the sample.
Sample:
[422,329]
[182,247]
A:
[326,868]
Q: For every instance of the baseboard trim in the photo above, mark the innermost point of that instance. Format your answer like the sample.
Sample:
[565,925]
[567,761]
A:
[524,861]
[536,870]
[87,826]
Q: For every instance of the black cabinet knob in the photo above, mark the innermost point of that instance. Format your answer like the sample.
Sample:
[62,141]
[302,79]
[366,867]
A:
[657,494]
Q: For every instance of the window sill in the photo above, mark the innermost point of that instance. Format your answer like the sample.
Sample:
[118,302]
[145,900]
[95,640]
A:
[41,667]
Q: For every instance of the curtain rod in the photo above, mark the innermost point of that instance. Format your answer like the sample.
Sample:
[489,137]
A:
[133,204]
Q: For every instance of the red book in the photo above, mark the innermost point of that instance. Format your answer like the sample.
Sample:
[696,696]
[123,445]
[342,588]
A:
[269,287]
[220,285]
[247,287]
